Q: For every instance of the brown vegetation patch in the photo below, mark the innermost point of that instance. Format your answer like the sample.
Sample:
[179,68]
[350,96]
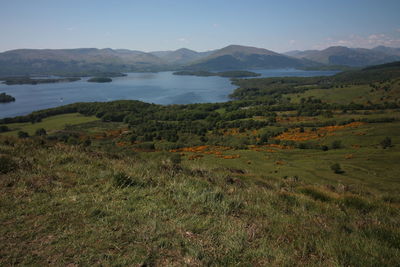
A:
[230,156]
[193,157]
[290,119]
[348,156]
[206,150]
[300,136]
[269,148]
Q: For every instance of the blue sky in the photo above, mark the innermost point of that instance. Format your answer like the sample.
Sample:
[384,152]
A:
[151,25]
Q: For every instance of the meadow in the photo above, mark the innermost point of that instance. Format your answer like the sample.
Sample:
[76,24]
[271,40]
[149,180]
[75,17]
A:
[51,124]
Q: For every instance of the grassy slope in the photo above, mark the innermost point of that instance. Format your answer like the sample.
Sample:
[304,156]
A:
[197,214]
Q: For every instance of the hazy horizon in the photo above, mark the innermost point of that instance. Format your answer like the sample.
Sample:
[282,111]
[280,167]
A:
[200,26]
[121,48]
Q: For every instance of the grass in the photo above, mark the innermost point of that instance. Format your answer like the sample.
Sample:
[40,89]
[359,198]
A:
[107,205]
[50,124]
[196,213]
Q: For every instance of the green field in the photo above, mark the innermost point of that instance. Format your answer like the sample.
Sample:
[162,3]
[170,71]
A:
[50,124]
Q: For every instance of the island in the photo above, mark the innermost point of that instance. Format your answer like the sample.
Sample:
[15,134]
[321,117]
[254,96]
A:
[28,80]
[227,74]
[4,98]
[100,80]
[92,74]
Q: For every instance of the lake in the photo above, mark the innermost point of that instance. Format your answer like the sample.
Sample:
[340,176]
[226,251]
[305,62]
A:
[159,88]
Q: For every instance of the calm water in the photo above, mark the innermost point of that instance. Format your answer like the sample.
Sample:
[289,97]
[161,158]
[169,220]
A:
[159,88]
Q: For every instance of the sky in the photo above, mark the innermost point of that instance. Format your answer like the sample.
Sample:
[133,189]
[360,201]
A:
[201,25]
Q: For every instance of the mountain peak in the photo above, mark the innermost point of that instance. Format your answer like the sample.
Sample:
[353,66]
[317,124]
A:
[244,50]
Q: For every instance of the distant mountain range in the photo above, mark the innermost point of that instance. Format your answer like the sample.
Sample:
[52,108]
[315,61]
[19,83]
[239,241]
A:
[233,57]
[354,57]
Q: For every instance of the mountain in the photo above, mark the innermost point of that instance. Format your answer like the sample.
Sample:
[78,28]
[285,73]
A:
[388,50]
[245,57]
[300,54]
[340,55]
[45,61]
[181,56]
[233,57]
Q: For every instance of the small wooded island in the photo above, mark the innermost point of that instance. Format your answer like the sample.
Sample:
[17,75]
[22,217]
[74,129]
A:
[29,80]
[227,74]
[82,74]
[4,98]
[100,80]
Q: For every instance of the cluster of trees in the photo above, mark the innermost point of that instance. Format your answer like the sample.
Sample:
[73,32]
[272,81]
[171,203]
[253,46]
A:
[196,123]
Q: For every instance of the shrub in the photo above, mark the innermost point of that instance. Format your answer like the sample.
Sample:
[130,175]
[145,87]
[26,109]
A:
[40,132]
[72,140]
[387,142]
[336,168]
[4,128]
[176,159]
[324,148]
[336,144]
[302,146]
[87,142]
[7,164]
[22,134]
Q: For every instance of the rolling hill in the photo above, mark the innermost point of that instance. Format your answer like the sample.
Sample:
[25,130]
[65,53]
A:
[181,56]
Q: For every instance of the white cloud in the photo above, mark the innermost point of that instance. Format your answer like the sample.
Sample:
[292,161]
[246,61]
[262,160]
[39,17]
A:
[183,40]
